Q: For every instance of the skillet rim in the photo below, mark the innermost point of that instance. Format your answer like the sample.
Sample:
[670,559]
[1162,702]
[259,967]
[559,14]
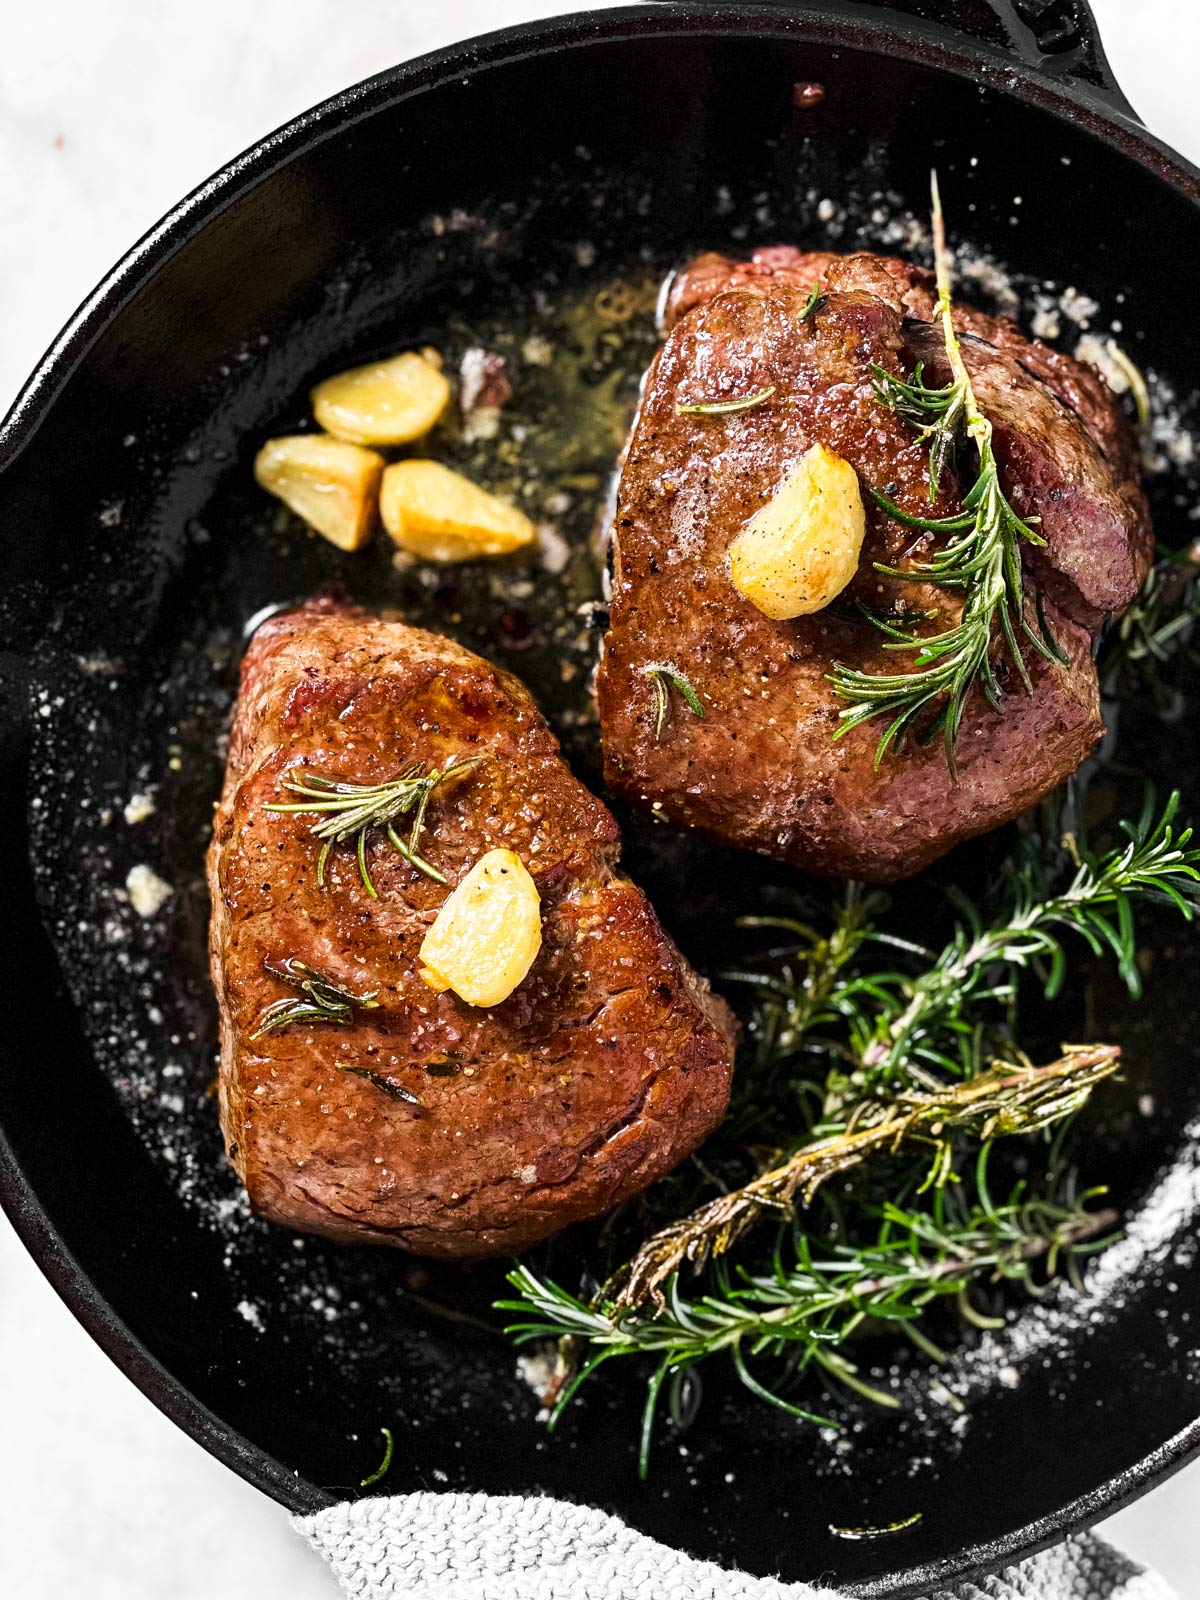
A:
[925,44]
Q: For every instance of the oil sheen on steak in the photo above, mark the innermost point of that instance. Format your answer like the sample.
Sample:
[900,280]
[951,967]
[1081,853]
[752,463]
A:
[762,768]
[605,1067]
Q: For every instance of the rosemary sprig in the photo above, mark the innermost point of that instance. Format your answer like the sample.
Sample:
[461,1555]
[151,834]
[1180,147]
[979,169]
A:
[898,1048]
[981,560]
[1002,1100]
[720,408]
[663,678]
[917,1033]
[320,999]
[1155,631]
[906,1042]
[351,810]
[814,1295]
[939,415]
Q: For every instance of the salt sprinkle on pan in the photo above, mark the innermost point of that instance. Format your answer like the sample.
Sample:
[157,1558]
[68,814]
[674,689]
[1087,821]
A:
[553,549]
[138,807]
[247,1309]
[148,893]
[1076,307]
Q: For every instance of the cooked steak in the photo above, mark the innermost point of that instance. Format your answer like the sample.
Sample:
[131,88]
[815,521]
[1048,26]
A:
[423,1122]
[762,768]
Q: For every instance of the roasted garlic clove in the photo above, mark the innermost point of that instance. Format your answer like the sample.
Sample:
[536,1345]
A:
[484,939]
[439,515]
[331,484]
[385,402]
[800,550]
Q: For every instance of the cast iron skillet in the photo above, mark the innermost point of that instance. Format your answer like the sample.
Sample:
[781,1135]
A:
[133,555]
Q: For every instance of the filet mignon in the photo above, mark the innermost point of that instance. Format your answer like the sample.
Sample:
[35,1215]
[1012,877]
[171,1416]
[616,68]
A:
[762,768]
[426,1123]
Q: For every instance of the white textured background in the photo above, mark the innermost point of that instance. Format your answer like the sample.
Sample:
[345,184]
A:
[110,110]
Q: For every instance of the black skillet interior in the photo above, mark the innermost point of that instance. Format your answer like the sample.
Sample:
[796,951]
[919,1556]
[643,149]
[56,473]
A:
[480,204]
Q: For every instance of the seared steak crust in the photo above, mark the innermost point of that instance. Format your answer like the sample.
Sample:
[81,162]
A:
[599,1073]
[762,769]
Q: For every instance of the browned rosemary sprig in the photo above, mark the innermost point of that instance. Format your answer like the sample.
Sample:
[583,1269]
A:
[351,810]
[663,679]
[1004,1099]
[981,561]
[320,999]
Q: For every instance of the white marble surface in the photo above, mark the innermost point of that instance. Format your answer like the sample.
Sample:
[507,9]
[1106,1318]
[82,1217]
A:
[109,111]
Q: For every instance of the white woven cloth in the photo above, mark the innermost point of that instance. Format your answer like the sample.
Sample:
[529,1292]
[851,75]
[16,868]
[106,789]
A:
[503,1547]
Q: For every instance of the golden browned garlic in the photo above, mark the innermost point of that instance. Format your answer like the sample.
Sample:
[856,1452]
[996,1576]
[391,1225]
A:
[800,550]
[331,484]
[484,939]
[439,515]
[385,402]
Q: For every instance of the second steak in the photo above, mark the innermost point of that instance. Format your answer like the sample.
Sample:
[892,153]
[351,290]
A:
[762,767]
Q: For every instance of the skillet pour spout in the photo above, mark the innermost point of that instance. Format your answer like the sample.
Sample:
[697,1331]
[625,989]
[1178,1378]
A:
[446,194]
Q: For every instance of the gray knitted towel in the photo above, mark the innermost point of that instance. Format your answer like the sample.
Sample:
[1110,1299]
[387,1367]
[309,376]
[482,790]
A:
[502,1547]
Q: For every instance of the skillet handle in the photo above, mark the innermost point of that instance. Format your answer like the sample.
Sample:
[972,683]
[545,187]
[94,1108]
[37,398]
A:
[1059,39]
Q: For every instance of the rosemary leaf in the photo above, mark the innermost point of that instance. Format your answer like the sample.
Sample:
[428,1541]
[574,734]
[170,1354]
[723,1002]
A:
[320,999]
[348,811]
[663,678]
[981,561]
[939,415]
[877,1533]
[720,408]
[1136,380]
[382,1080]
[815,296]
[389,1445]
[1153,636]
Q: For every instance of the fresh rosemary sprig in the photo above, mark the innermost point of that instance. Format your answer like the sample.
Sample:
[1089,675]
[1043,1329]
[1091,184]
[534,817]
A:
[1146,641]
[720,408]
[814,1294]
[902,1039]
[351,810]
[899,1053]
[320,999]
[938,414]
[663,678]
[981,560]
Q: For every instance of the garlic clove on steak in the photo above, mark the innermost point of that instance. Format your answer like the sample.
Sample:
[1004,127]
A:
[331,484]
[483,941]
[385,402]
[800,550]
